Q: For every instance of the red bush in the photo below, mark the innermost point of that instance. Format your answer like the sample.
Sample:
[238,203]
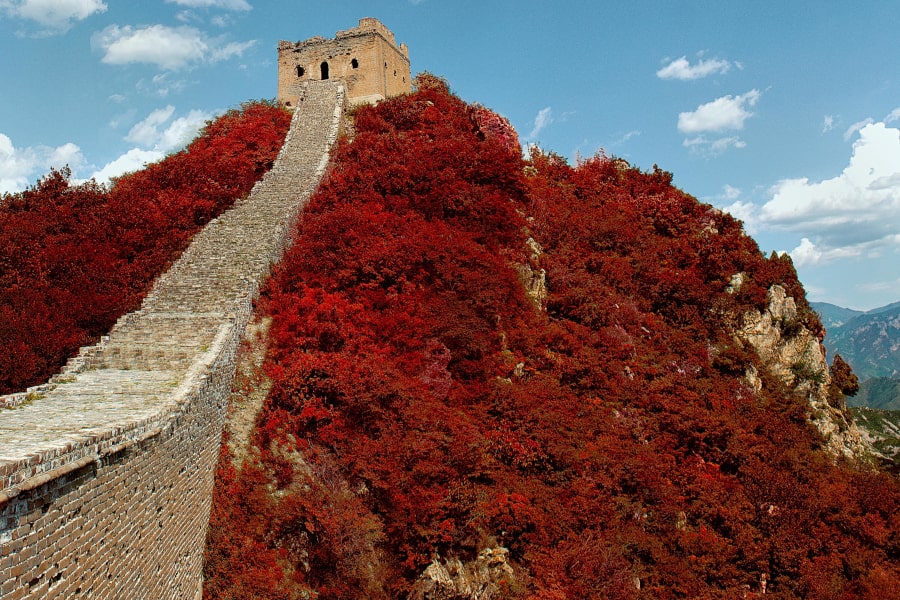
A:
[609,442]
[73,258]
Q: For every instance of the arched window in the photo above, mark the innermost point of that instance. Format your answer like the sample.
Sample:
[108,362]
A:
[324,70]
[354,63]
[300,71]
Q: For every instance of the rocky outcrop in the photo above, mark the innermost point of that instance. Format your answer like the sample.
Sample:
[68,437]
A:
[791,353]
[533,277]
[489,577]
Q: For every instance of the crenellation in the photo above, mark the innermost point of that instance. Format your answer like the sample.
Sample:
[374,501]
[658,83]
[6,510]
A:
[106,471]
[366,58]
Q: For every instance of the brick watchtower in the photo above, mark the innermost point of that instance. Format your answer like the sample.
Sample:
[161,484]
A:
[367,58]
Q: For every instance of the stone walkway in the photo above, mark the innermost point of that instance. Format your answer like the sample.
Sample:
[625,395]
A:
[130,378]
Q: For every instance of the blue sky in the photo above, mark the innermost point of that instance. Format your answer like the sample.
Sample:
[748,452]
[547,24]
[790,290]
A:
[787,114]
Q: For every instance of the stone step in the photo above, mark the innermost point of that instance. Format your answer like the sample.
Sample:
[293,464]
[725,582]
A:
[133,372]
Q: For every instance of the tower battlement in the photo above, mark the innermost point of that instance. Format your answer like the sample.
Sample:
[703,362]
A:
[367,58]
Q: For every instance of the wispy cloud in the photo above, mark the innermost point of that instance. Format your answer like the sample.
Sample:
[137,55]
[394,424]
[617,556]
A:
[682,70]
[851,131]
[223,4]
[169,48]
[827,123]
[541,121]
[894,115]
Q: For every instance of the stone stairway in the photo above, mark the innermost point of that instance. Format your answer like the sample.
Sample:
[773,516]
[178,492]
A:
[130,377]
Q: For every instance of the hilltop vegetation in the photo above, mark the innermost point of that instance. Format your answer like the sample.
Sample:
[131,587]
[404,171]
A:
[472,351]
[75,257]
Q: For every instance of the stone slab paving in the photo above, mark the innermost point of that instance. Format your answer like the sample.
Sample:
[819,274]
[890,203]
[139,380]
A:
[131,376]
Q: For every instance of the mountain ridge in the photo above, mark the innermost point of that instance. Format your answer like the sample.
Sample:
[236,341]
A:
[869,341]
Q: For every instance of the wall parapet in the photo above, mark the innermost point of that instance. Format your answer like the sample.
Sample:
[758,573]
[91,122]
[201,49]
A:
[106,471]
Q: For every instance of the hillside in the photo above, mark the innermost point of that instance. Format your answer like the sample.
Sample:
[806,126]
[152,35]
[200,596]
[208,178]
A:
[75,257]
[869,342]
[883,429]
[878,392]
[834,316]
[495,377]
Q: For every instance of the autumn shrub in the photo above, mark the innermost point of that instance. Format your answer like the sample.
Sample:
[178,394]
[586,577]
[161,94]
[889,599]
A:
[424,406]
[75,257]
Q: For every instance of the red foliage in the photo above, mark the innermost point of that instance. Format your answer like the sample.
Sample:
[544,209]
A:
[419,394]
[73,258]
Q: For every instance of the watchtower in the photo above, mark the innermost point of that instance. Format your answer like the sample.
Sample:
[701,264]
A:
[367,58]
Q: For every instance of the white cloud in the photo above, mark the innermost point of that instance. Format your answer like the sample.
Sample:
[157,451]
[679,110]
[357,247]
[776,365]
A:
[223,4]
[851,131]
[541,120]
[627,136]
[169,48]
[894,115]
[176,134]
[827,123]
[683,70]
[727,112]
[20,167]
[855,214]
[729,192]
[229,50]
[158,134]
[133,160]
[56,15]
[809,254]
[146,132]
[713,147]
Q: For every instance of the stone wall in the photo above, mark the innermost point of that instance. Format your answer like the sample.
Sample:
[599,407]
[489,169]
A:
[106,472]
[366,58]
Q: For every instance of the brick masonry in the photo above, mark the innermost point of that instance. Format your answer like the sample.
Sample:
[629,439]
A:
[106,472]
[366,58]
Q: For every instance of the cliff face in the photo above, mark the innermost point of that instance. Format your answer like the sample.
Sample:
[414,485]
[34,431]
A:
[796,357]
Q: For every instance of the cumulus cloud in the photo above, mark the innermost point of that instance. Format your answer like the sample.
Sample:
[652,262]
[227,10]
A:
[223,4]
[727,112]
[156,135]
[854,214]
[681,69]
[169,48]
[158,132]
[133,160]
[55,15]
[20,167]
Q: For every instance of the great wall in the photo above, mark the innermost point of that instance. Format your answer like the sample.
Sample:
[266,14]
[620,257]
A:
[106,471]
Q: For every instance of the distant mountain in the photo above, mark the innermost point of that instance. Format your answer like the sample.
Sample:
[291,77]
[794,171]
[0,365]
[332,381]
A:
[868,341]
[878,392]
[834,316]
